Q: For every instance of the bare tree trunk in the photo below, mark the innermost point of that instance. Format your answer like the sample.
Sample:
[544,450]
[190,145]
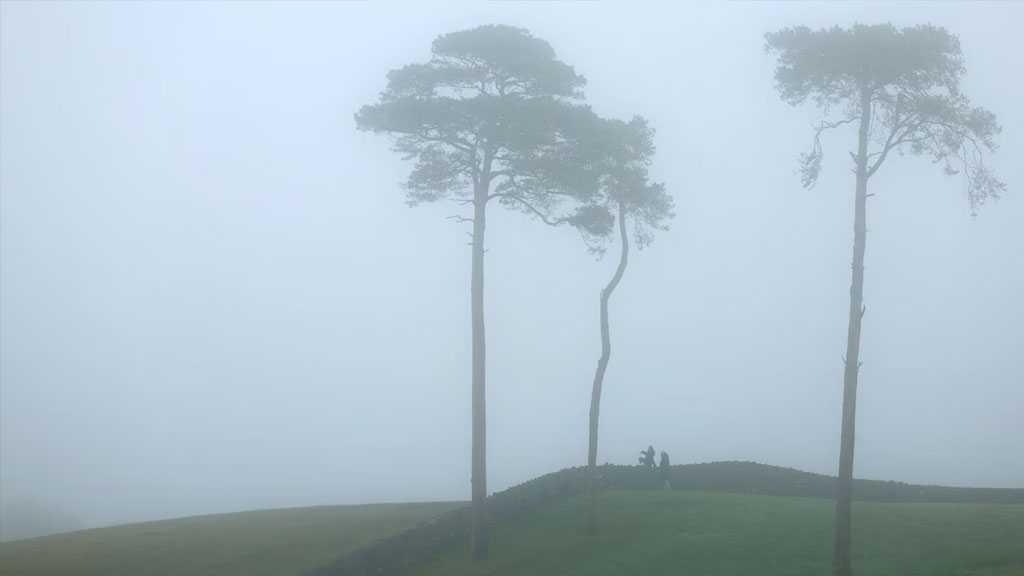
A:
[602,365]
[479,533]
[844,487]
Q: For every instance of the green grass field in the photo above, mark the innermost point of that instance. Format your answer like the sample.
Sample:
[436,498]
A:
[261,543]
[648,533]
[705,533]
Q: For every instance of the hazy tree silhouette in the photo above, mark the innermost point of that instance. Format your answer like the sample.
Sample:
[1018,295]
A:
[622,152]
[492,116]
[901,88]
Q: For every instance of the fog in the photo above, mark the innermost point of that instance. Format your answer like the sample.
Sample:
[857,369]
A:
[214,297]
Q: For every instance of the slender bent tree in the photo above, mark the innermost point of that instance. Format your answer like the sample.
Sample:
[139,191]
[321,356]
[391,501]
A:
[623,155]
[485,118]
[901,88]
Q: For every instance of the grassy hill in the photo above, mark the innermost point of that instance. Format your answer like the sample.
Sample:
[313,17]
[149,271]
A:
[722,518]
[444,537]
[706,533]
[260,543]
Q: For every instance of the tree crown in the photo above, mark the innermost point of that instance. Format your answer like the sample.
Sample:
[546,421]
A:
[492,105]
[909,78]
[613,157]
[493,59]
[626,182]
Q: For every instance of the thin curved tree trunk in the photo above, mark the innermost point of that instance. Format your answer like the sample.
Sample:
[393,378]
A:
[844,486]
[602,365]
[479,526]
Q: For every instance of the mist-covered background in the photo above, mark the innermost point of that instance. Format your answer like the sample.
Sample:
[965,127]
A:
[214,298]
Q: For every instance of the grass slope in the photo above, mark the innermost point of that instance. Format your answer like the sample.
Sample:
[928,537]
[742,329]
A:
[775,522]
[408,552]
[267,542]
[705,533]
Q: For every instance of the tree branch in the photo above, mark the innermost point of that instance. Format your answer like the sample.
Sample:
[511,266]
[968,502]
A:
[459,219]
[823,126]
[889,145]
[454,142]
[810,162]
[517,198]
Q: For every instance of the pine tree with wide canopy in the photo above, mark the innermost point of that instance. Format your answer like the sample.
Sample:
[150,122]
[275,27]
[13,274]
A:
[901,88]
[492,116]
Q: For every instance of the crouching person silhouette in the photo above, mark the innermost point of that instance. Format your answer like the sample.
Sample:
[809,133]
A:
[647,457]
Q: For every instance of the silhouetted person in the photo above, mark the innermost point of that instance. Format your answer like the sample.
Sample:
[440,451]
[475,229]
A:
[647,457]
[665,471]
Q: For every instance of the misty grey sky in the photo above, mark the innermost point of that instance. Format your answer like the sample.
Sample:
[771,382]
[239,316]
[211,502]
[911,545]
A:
[214,297]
